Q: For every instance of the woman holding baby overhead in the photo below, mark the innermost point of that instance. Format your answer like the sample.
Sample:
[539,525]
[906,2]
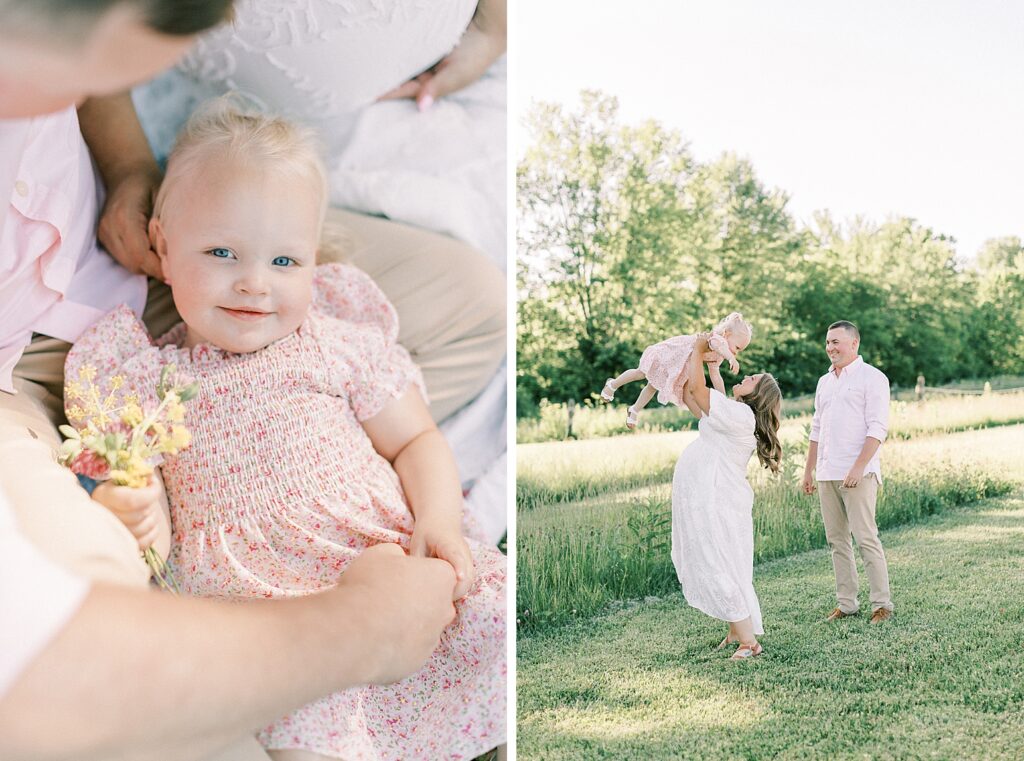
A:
[712,524]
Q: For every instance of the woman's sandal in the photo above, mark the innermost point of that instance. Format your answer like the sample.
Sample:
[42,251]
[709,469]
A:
[726,642]
[608,392]
[747,651]
[630,418]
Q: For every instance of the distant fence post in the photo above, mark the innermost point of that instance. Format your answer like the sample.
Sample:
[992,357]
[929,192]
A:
[919,388]
[571,408]
[986,389]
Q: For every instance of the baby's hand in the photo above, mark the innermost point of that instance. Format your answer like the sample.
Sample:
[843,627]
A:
[444,540]
[734,366]
[139,509]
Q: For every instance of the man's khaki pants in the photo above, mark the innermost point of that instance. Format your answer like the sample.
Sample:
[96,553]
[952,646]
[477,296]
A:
[451,306]
[848,511]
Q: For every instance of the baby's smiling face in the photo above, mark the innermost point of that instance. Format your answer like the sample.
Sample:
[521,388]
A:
[238,245]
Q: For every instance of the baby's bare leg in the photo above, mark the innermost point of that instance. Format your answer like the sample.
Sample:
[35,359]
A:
[645,397]
[627,377]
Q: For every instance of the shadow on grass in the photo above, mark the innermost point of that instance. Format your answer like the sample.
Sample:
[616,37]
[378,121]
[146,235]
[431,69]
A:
[941,680]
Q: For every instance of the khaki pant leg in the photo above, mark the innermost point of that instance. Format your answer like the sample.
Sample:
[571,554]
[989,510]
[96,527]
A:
[860,509]
[52,509]
[837,532]
[450,301]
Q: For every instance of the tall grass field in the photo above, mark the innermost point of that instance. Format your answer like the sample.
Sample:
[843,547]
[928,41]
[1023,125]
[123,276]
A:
[594,515]
[612,663]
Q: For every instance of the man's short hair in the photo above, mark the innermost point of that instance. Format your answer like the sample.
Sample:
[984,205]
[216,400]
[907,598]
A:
[848,326]
[73,19]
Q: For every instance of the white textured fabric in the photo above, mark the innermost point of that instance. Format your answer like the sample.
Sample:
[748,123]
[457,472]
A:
[36,599]
[712,523]
[848,408]
[324,63]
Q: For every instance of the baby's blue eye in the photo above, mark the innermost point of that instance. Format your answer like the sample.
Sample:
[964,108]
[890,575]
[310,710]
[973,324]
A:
[283,261]
[220,253]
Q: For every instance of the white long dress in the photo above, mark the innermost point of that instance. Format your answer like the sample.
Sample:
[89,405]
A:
[712,522]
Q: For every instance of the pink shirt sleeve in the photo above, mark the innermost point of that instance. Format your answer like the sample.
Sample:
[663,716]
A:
[56,280]
[37,598]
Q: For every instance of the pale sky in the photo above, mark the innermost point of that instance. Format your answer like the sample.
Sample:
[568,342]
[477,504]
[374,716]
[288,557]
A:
[913,108]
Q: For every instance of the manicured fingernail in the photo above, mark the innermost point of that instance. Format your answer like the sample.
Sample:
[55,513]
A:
[425,102]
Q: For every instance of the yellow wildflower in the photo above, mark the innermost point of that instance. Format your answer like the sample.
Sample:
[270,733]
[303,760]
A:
[87,372]
[132,414]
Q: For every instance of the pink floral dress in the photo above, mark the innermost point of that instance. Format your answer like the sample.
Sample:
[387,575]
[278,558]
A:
[281,488]
[664,365]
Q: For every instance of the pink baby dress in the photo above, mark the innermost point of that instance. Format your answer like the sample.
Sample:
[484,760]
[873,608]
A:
[281,488]
[664,365]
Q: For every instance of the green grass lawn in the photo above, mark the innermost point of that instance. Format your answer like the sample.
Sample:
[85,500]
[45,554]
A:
[943,680]
[612,544]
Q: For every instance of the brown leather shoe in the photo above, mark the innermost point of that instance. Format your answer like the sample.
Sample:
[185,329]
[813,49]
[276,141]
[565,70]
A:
[836,614]
[880,615]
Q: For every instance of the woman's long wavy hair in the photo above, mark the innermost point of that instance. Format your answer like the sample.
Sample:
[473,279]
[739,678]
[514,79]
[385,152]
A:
[766,402]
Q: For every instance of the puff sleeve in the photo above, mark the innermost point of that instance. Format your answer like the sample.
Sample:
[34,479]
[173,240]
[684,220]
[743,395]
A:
[116,345]
[730,417]
[366,362]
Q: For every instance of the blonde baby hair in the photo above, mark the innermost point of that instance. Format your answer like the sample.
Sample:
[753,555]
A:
[733,323]
[225,128]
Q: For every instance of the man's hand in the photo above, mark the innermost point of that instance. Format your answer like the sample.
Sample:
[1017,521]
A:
[444,540]
[124,223]
[854,477]
[406,603]
[809,484]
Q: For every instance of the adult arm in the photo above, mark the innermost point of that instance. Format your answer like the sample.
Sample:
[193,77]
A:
[483,42]
[695,394]
[809,484]
[405,435]
[141,675]
[715,374]
[131,175]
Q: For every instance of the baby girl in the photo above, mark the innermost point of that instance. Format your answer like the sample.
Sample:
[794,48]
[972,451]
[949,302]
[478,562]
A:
[311,437]
[663,365]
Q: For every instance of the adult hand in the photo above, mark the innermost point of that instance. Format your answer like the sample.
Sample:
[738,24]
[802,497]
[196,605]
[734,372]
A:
[124,223]
[854,476]
[484,40]
[444,540]
[406,602]
[809,484]
[714,361]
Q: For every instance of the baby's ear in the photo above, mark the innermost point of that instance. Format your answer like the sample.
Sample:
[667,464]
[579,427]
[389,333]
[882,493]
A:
[157,241]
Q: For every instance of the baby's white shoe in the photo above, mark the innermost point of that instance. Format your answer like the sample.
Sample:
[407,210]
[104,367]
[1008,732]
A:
[630,418]
[608,392]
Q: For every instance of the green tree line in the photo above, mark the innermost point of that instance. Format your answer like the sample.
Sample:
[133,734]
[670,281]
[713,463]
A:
[625,239]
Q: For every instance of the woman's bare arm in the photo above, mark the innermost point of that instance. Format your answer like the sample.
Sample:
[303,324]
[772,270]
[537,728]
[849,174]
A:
[695,394]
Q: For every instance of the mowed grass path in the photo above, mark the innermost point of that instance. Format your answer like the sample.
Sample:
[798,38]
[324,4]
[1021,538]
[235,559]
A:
[944,680]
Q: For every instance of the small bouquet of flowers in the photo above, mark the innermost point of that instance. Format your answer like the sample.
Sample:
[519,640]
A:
[115,439]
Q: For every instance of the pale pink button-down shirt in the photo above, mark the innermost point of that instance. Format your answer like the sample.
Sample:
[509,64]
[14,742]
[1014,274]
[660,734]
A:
[848,408]
[54,277]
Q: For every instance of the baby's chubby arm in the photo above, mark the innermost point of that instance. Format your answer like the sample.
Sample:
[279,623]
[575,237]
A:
[405,435]
[718,344]
[144,511]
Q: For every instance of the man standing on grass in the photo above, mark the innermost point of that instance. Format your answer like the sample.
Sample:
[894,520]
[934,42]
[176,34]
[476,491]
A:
[851,416]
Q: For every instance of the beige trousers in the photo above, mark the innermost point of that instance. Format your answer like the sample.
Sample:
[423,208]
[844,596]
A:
[852,511]
[451,306]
